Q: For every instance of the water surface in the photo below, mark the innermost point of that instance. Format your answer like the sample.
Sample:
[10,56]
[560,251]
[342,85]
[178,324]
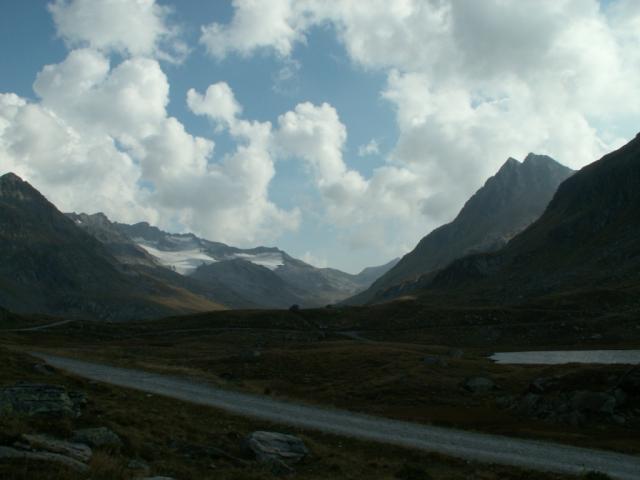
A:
[608,357]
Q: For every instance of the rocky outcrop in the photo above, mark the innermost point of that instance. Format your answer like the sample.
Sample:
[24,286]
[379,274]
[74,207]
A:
[14,453]
[268,446]
[77,451]
[99,437]
[40,399]
[479,385]
[551,399]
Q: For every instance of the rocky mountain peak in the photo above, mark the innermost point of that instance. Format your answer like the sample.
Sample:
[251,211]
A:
[14,187]
[508,202]
[535,159]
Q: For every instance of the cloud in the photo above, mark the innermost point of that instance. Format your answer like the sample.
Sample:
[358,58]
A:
[367,210]
[218,103]
[133,28]
[100,139]
[471,84]
[256,24]
[371,148]
[311,259]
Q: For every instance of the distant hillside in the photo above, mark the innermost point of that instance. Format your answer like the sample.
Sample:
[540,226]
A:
[507,203]
[128,252]
[263,276]
[587,238]
[49,265]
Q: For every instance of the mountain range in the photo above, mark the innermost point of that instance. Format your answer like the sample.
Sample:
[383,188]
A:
[49,265]
[508,202]
[263,276]
[535,229]
[85,265]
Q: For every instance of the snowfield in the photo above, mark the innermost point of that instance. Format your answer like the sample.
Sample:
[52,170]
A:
[186,261]
[182,261]
[271,260]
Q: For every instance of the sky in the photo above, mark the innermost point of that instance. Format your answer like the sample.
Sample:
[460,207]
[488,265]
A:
[340,131]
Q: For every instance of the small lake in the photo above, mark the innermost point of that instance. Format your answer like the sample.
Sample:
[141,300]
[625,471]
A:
[606,357]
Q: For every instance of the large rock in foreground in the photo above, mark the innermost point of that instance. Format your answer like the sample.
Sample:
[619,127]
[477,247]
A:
[99,437]
[40,399]
[269,446]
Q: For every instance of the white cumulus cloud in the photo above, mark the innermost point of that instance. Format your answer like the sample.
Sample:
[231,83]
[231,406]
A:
[471,83]
[131,27]
[100,139]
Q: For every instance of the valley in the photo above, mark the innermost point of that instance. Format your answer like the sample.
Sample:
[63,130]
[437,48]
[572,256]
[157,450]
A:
[320,240]
[418,351]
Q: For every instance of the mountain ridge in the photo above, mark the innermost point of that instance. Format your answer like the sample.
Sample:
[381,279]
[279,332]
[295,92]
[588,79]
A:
[587,238]
[48,265]
[507,203]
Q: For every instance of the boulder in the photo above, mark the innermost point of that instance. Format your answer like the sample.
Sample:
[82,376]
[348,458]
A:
[456,353]
[593,402]
[40,399]
[268,446]
[99,437]
[479,385]
[529,405]
[630,383]
[434,361]
[542,385]
[77,451]
[13,453]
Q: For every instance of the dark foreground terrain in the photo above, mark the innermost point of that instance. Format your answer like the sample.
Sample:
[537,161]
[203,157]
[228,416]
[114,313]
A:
[405,360]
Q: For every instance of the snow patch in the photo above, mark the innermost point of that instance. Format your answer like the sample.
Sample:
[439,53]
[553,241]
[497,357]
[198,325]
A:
[271,260]
[184,262]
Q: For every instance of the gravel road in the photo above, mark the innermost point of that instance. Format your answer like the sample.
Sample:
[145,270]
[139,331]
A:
[457,443]
[38,327]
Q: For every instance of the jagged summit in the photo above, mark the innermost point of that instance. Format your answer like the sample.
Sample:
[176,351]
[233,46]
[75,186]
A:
[12,186]
[587,238]
[10,177]
[539,159]
[508,202]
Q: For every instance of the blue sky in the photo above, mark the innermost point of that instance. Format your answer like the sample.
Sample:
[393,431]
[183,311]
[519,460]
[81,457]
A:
[417,83]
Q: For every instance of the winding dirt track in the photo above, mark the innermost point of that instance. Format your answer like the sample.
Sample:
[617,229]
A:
[456,443]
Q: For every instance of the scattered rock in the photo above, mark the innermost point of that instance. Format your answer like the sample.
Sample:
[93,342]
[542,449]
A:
[251,356]
[542,385]
[593,402]
[99,437]
[479,385]
[619,419]
[44,369]
[621,397]
[435,361]
[630,383]
[456,353]
[137,464]
[271,445]
[77,451]
[40,399]
[527,405]
[12,453]
[412,472]
[279,468]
